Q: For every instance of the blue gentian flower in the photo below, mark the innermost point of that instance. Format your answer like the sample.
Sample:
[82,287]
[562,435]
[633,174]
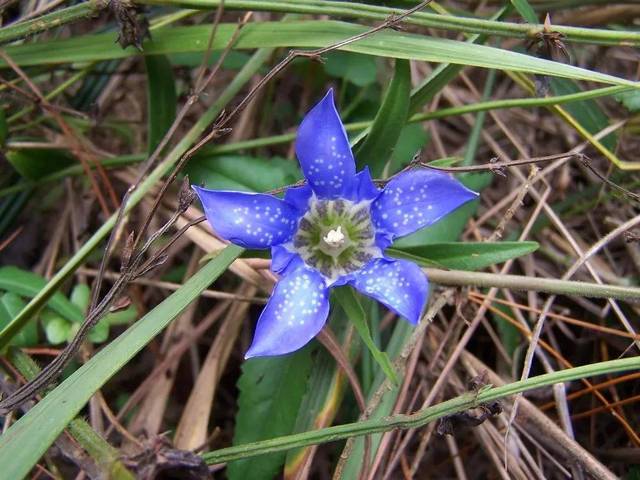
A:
[332,231]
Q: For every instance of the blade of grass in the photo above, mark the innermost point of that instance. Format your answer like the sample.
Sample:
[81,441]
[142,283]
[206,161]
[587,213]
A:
[355,10]
[300,34]
[38,428]
[421,418]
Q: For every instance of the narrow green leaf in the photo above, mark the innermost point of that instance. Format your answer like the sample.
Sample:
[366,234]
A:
[443,74]
[464,255]
[34,164]
[38,428]
[311,34]
[10,306]
[106,456]
[28,284]
[271,390]
[383,134]
[161,100]
[351,305]
[587,112]
[525,10]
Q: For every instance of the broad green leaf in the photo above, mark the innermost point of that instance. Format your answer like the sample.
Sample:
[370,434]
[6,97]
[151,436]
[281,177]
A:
[412,140]
[161,98]
[361,70]
[271,390]
[311,34]
[244,173]
[631,100]
[34,164]
[464,255]
[81,296]
[351,305]
[383,134]
[10,305]
[525,10]
[99,333]
[38,428]
[587,112]
[57,329]
[27,284]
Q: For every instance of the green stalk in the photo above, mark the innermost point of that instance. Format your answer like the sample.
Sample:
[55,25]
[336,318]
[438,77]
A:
[107,457]
[243,76]
[337,9]
[51,20]
[519,282]
[420,418]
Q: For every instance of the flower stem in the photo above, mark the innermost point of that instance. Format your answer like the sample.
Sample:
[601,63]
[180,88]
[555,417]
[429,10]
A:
[519,282]
[420,418]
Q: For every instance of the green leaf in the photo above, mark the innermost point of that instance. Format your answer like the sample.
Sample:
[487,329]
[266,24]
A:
[243,173]
[412,140]
[57,329]
[271,390]
[10,306]
[525,10]
[161,98]
[99,333]
[351,305]
[34,164]
[631,100]
[510,336]
[81,296]
[28,284]
[310,34]
[38,428]
[587,112]
[464,255]
[385,131]
[361,70]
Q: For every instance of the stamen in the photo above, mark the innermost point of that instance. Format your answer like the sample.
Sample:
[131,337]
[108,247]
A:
[334,238]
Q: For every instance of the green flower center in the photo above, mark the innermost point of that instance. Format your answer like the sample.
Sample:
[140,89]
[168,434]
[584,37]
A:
[336,237]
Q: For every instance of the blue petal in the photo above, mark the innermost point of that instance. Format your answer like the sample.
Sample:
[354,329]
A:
[362,187]
[281,258]
[416,199]
[323,150]
[296,312]
[299,197]
[398,284]
[251,220]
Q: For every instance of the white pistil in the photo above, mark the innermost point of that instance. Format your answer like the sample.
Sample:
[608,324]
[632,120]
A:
[334,238]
